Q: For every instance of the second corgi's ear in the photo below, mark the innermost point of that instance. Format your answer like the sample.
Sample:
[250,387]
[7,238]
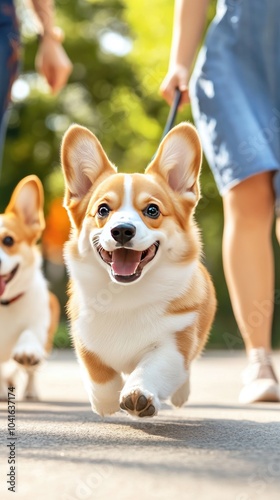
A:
[27,203]
[83,161]
[178,161]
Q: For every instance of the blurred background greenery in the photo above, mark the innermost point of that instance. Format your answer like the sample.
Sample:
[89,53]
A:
[120,50]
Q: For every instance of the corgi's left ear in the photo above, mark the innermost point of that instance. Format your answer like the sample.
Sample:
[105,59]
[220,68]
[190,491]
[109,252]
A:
[178,161]
[27,203]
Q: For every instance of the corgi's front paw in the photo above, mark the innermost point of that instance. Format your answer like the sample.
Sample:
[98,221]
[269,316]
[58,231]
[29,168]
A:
[28,355]
[139,403]
[28,351]
[27,359]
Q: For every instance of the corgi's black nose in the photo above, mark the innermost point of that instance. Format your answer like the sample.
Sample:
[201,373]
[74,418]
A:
[123,233]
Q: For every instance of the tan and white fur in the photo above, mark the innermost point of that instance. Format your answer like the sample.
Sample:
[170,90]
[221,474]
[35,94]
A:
[29,313]
[141,303]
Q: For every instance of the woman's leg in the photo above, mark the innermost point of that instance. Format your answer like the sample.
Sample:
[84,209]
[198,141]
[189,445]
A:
[276,182]
[248,257]
[249,270]
[277,228]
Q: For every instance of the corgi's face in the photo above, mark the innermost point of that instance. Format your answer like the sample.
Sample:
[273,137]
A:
[128,222]
[20,227]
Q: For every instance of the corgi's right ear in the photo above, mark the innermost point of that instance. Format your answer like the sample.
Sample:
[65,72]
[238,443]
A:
[83,161]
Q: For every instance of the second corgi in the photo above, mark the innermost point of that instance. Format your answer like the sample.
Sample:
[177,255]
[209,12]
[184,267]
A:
[29,313]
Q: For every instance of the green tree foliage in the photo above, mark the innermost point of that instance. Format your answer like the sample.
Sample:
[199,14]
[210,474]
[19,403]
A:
[120,50]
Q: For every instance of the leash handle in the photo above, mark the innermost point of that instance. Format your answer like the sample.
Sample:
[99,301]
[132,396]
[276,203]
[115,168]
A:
[172,113]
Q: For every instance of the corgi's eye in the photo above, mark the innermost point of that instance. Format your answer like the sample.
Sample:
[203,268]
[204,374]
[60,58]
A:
[8,241]
[152,211]
[103,210]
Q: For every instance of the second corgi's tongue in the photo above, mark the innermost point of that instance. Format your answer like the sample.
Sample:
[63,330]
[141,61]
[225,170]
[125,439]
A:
[125,262]
[2,285]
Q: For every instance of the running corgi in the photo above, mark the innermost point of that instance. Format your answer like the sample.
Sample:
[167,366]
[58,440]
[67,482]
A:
[29,313]
[141,303]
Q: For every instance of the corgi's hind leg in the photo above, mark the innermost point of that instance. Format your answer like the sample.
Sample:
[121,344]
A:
[29,353]
[3,386]
[102,383]
[30,392]
[104,398]
[181,395]
[8,372]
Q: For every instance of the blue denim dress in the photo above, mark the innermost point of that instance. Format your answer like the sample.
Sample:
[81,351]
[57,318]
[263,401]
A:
[9,59]
[235,92]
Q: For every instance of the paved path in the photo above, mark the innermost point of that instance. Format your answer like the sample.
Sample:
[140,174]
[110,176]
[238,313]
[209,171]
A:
[213,448]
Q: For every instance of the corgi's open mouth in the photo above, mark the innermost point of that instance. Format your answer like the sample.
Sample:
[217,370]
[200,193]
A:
[126,264]
[6,278]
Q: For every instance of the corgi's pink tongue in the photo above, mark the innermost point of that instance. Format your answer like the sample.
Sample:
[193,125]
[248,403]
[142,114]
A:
[125,262]
[2,286]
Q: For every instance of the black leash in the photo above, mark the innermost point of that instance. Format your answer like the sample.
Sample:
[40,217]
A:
[172,113]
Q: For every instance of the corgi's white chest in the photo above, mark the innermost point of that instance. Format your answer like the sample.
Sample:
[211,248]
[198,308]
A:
[14,319]
[121,339]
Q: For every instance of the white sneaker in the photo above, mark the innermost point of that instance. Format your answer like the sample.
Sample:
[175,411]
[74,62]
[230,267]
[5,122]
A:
[259,380]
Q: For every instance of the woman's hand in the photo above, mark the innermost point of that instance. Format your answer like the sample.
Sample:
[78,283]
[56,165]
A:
[53,63]
[178,77]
